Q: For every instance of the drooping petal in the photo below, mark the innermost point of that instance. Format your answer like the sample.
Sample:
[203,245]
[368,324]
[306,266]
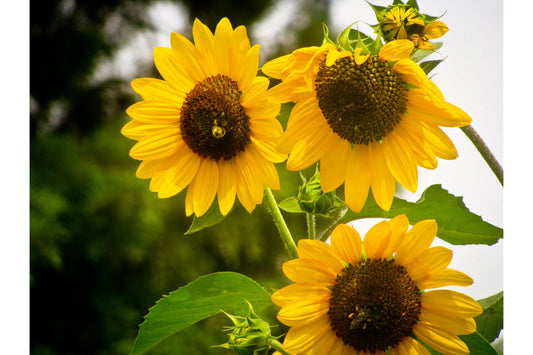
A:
[226,186]
[400,162]
[435,29]
[382,182]
[333,163]
[358,177]
[206,185]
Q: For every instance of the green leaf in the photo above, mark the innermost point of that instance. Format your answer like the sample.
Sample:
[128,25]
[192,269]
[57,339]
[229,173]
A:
[490,322]
[457,225]
[202,298]
[478,345]
[208,219]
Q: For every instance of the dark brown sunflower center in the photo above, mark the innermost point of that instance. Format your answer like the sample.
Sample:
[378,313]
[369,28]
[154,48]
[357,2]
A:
[213,122]
[361,103]
[374,305]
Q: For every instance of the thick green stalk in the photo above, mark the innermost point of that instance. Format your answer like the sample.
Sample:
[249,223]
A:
[484,151]
[276,345]
[284,231]
[311,231]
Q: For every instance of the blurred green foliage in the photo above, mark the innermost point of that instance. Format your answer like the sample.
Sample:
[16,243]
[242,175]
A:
[103,247]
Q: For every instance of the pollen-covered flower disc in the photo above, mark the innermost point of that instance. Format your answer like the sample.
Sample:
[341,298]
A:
[370,120]
[210,124]
[369,296]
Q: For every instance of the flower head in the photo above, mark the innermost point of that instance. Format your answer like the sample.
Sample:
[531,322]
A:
[367,297]
[369,119]
[209,125]
[405,22]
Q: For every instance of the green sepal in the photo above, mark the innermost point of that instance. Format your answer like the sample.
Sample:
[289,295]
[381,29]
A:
[428,66]
[344,39]
[380,11]
[413,4]
[327,39]
[208,219]
[420,54]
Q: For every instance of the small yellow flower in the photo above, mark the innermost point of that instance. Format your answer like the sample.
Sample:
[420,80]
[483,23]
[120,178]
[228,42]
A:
[209,125]
[404,22]
[367,297]
[369,119]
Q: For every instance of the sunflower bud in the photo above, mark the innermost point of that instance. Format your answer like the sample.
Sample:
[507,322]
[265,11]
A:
[312,200]
[249,334]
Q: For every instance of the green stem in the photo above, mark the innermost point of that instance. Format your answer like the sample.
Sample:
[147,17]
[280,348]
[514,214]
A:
[311,231]
[284,232]
[277,345]
[484,151]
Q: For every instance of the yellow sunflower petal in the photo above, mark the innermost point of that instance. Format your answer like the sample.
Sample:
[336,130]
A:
[226,186]
[299,339]
[409,346]
[457,326]
[275,67]
[184,169]
[396,50]
[333,163]
[170,69]
[309,271]
[302,312]
[447,277]
[250,68]
[137,130]
[265,169]
[416,142]
[257,88]
[324,345]
[358,177]
[440,340]
[268,150]
[205,42]
[189,208]
[318,250]
[346,243]
[450,303]
[439,142]
[418,239]
[157,90]
[398,225]
[147,168]
[154,112]
[206,184]
[223,40]
[308,151]
[249,187]
[400,162]
[436,29]
[188,56]
[157,146]
[382,182]
[295,292]
[432,260]
[436,112]
[377,240]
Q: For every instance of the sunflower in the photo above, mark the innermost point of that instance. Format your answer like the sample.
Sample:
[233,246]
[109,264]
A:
[369,119]
[367,297]
[209,125]
[404,22]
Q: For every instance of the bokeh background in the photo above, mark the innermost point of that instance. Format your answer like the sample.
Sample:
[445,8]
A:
[103,248]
